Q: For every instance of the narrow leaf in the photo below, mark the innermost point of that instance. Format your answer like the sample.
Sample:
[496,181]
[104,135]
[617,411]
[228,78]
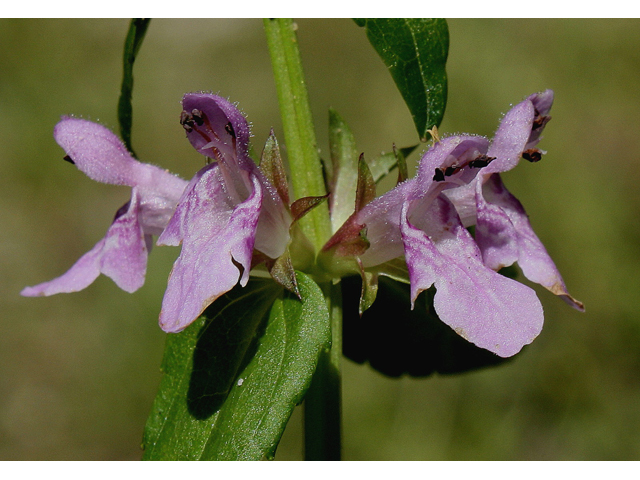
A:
[232,379]
[282,271]
[415,52]
[366,187]
[403,171]
[344,162]
[382,165]
[135,36]
[304,205]
[272,166]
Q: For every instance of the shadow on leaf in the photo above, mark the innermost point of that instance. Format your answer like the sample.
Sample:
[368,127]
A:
[226,343]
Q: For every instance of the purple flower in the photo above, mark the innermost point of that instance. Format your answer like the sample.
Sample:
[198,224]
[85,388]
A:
[122,253]
[503,231]
[420,220]
[230,217]
[228,210]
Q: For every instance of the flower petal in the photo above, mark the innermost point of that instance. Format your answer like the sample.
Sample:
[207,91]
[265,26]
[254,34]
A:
[217,244]
[504,235]
[121,255]
[464,199]
[455,152]
[215,127]
[124,257]
[511,138]
[542,103]
[381,217]
[174,231]
[97,151]
[519,130]
[488,309]
[78,277]
[100,154]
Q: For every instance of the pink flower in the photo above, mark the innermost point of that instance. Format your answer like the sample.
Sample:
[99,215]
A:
[228,209]
[422,221]
[122,253]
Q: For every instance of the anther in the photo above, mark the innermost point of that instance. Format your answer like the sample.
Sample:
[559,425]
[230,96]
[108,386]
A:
[540,121]
[186,121]
[229,129]
[453,169]
[481,161]
[185,118]
[532,155]
[198,116]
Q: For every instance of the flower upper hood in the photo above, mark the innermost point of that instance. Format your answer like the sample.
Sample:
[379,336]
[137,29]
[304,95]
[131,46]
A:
[122,253]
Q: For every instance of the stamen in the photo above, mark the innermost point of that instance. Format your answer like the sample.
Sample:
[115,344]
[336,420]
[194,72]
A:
[439,175]
[532,155]
[198,116]
[204,120]
[481,161]
[216,153]
[229,129]
[452,170]
[191,121]
[186,121]
[540,121]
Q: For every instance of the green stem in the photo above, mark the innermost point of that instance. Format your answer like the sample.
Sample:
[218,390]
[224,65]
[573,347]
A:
[322,405]
[306,170]
[135,36]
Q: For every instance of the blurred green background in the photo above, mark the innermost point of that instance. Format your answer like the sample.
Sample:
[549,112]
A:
[80,371]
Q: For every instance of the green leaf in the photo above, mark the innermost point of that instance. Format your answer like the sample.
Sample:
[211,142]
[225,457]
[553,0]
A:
[135,36]
[382,165]
[403,171]
[415,52]
[232,379]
